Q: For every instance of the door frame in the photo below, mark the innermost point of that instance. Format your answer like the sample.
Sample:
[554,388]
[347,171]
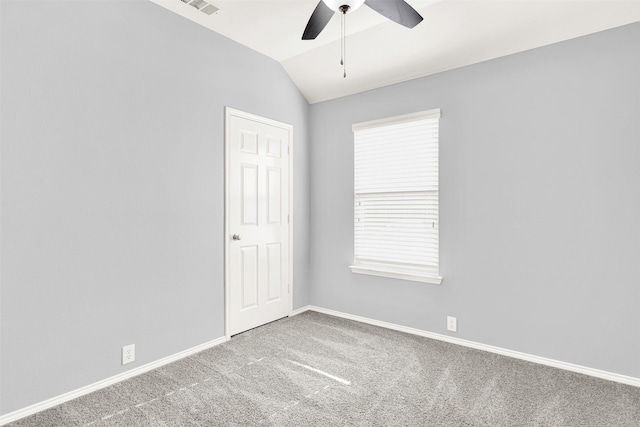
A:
[228,113]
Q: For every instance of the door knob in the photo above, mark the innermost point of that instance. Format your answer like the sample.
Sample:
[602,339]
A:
[236,237]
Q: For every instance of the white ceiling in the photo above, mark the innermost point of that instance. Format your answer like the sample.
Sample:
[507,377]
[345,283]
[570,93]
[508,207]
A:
[454,33]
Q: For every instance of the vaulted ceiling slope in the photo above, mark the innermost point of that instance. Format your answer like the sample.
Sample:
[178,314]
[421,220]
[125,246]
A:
[454,33]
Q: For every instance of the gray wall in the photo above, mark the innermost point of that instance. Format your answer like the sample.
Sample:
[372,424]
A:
[540,203]
[112,186]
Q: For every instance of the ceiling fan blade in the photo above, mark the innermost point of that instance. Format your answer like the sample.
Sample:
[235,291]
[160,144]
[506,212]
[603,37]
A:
[319,19]
[397,10]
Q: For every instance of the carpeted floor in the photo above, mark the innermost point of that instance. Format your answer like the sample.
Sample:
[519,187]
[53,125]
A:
[319,370]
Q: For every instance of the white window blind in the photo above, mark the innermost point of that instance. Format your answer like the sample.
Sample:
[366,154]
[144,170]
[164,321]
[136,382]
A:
[396,197]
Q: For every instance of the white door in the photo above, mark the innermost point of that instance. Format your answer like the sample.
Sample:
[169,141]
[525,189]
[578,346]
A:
[258,221]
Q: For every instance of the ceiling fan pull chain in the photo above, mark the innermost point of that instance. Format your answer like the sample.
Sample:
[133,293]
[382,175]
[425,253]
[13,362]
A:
[342,39]
[344,49]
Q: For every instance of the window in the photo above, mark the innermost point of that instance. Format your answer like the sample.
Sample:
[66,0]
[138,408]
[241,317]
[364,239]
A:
[396,197]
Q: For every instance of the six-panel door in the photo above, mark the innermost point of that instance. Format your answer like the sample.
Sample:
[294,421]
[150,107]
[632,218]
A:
[258,200]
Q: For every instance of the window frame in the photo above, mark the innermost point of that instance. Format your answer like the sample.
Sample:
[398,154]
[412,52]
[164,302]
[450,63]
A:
[398,271]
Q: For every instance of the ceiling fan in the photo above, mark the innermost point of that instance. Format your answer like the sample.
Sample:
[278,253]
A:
[396,10]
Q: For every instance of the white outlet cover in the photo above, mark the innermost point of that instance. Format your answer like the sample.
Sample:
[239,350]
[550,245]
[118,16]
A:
[452,324]
[128,353]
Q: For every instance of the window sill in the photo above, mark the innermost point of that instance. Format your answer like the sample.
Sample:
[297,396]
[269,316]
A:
[396,274]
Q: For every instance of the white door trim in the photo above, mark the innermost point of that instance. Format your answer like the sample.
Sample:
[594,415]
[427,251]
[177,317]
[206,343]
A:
[227,231]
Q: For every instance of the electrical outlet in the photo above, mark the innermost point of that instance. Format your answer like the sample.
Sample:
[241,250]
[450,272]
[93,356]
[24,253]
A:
[128,354]
[452,324]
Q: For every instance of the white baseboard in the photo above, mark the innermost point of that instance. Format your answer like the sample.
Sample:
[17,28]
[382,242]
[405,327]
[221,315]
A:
[302,310]
[611,376]
[49,403]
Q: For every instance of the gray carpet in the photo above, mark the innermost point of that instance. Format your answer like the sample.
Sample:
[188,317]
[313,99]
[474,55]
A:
[318,370]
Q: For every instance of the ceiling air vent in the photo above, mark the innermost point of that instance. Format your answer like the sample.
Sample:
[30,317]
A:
[202,6]
[209,9]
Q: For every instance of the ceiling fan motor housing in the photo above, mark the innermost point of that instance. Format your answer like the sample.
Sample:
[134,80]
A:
[337,5]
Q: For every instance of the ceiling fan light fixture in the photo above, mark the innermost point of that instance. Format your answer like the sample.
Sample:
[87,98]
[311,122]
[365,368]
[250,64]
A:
[336,4]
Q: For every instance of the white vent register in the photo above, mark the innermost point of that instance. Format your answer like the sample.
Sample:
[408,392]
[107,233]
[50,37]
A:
[202,6]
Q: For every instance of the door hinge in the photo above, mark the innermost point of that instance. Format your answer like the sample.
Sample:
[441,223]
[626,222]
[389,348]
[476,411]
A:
[288,219]
[288,149]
